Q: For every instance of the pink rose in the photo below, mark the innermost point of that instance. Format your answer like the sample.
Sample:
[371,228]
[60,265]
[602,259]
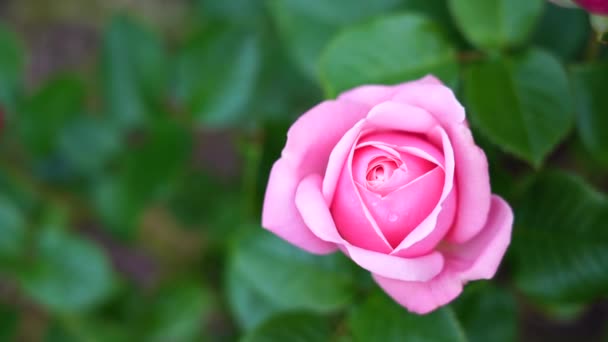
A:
[391,176]
[593,6]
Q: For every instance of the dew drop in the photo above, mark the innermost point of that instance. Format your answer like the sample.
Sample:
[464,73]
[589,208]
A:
[393,217]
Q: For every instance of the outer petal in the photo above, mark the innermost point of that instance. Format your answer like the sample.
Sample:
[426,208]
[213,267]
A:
[429,79]
[314,211]
[314,135]
[280,215]
[473,183]
[337,160]
[479,257]
[476,259]
[373,94]
[306,151]
[392,115]
[422,297]
[436,99]
[317,216]
[419,269]
[369,95]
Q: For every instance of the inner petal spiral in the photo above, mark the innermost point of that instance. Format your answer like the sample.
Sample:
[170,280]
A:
[380,170]
[399,181]
[383,169]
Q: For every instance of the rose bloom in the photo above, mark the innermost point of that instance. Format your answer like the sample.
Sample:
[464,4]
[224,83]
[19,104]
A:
[391,176]
[599,7]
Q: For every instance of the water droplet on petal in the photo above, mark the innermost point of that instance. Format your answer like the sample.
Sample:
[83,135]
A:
[393,217]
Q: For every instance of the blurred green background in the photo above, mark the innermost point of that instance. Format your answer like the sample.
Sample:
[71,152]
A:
[136,139]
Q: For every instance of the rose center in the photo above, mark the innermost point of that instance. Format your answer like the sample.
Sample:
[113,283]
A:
[380,170]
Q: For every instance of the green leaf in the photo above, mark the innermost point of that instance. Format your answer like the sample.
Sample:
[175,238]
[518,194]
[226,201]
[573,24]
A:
[12,65]
[69,275]
[48,110]
[12,230]
[133,70]
[563,31]
[249,305]
[381,319]
[20,194]
[87,329]
[305,26]
[268,271]
[522,103]
[8,324]
[481,303]
[176,313]
[496,24]
[218,216]
[387,50]
[589,85]
[158,159]
[216,74]
[438,11]
[88,143]
[561,311]
[292,326]
[282,92]
[241,11]
[148,172]
[116,206]
[560,241]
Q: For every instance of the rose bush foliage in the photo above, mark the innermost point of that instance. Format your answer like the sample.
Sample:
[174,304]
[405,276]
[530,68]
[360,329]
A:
[138,141]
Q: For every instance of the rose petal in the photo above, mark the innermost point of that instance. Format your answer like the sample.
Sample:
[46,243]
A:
[478,258]
[404,142]
[314,135]
[353,220]
[398,213]
[599,7]
[315,213]
[392,115]
[300,158]
[428,225]
[369,95]
[436,99]
[310,204]
[473,184]
[429,79]
[421,269]
[337,160]
[444,221]
[422,297]
[374,94]
[281,216]
[412,168]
